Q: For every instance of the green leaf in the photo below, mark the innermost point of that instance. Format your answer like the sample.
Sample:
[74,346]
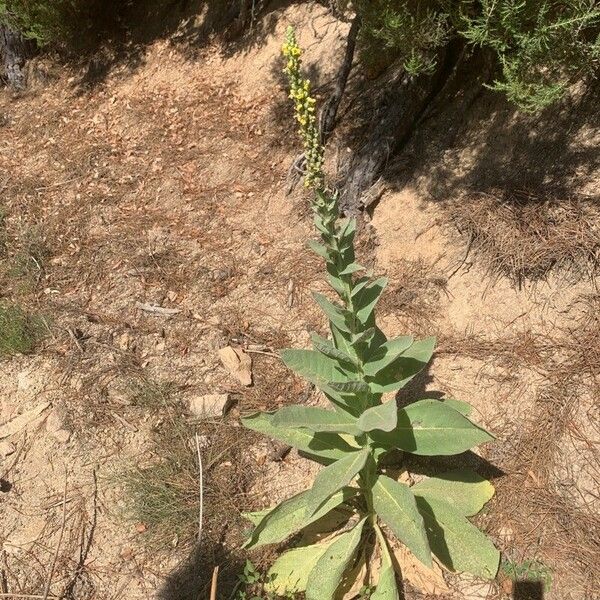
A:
[367,298]
[289,517]
[352,268]
[327,574]
[404,368]
[364,337]
[315,419]
[327,446]
[328,349]
[318,249]
[334,477]
[430,428]
[396,506]
[460,405]
[464,490]
[336,283]
[336,314]
[456,542]
[386,586]
[386,354]
[347,233]
[383,417]
[289,573]
[350,387]
[318,369]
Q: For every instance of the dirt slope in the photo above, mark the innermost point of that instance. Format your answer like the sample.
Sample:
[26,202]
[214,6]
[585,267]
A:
[166,186]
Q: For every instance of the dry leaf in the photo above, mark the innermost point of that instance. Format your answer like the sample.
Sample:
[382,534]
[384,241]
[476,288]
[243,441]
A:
[424,579]
[238,363]
[18,423]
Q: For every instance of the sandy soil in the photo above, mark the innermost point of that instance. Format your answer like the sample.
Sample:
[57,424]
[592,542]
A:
[166,185]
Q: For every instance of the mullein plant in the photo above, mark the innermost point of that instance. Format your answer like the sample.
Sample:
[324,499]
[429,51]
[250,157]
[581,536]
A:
[356,510]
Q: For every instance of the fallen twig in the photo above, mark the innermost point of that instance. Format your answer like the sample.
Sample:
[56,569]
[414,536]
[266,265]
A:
[60,537]
[201,508]
[213,585]
[157,310]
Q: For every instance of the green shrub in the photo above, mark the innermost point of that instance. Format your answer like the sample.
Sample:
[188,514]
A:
[63,23]
[353,495]
[540,45]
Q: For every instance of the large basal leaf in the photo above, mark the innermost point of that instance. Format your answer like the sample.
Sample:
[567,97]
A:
[464,490]
[456,542]
[386,586]
[334,477]
[366,299]
[460,405]
[315,419]
[289,574]
[289,517]
[430,428]
[404,368]
[327,574]
[326,446]
[386,354]
[395,504]
[383,417]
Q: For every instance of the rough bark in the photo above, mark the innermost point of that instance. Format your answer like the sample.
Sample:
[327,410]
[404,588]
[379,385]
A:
[14,52]
[330,110]
[405,100]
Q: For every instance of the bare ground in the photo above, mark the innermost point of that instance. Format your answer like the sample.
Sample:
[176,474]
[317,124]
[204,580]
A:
[165,186]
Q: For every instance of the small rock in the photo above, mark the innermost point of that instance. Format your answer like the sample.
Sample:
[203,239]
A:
[238,363]
[62,436]
[209,405]
[6,449]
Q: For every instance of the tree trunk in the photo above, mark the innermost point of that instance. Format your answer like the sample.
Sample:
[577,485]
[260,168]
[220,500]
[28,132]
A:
[405,101]
[329,113]
[14,52]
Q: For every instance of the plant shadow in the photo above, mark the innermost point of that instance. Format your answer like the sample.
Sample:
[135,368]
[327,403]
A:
[193,577]
[528,590]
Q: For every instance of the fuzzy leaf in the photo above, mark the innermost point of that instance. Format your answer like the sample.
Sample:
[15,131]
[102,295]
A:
[352,268]
[364,337]
[404,368]
[386,354]
[347,233]
[289,573]
[318,369]
[327,574]
[367,298]
[328,349]
[464,490]
[326,446]
[396,506]
[315,419]
[334,477]
[318,249]
[386,586]
[430,428]
[337,315]
[289,517]
[350,387]
[456,542]
[460,405]
[383,417]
